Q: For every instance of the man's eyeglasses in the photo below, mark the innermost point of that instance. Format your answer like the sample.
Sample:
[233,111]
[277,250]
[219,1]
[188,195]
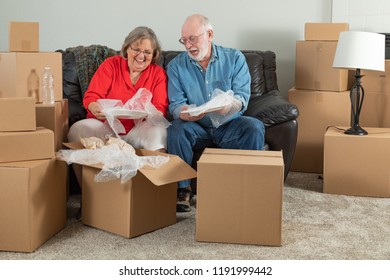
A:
[138,51]
[192,39]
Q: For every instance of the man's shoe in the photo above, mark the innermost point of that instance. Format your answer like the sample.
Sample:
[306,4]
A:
[184,196]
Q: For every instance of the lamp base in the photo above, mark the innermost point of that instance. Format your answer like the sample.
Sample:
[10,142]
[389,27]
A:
[356,130]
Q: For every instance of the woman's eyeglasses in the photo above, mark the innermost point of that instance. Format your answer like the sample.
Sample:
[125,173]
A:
[138,51]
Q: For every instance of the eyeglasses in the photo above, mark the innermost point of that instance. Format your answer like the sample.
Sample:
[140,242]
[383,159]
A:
[192,39]
[138,51]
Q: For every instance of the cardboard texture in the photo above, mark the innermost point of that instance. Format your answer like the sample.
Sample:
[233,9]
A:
[55,118]
[32,203]
[318,31]
[314,67]
[23,36]
[357,165]
[376,106]
[21,74]
[376,110]
[17,114]
[143,204]
[249,188]
[26,145]
[377,81]
[317,111]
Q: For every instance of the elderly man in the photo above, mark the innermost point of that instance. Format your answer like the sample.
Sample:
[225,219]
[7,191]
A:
[192,78]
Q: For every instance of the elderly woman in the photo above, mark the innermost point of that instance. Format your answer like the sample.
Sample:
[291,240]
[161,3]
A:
[120,77]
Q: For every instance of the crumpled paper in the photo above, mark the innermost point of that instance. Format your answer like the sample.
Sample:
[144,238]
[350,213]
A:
[117,157]
[219,99]
[141,101]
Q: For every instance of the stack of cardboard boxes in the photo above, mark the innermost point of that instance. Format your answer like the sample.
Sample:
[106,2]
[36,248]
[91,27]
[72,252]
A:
[33,182]
[320,92]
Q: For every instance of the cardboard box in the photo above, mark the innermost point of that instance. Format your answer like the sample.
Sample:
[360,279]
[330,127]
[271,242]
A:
[317,111]
[17,114]
[375,110]
[32,203]
[314,67]
[357,165]
[26,145]
[54,117]
[23,37]
[239,197]
[376,81]
[21,74]
[319,31]
[145,203]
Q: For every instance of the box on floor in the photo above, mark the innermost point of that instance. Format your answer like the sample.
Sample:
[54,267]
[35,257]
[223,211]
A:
[32,203]
[145,203]
[17,114]
[357,165]
[54,117]
[317,111]
[21,74]
[249,188]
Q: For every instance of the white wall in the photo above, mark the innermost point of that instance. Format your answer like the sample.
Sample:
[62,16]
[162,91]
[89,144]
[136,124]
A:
[363,15]
[245,24]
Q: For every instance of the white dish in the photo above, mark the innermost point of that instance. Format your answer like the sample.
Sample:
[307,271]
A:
[129,114]
[203,109]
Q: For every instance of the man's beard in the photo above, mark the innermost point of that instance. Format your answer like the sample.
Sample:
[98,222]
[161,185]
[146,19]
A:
[202,52]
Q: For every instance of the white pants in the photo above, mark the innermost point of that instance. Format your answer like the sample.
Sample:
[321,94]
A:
[144,135]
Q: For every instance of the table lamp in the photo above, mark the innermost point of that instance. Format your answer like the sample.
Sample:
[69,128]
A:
[358,50]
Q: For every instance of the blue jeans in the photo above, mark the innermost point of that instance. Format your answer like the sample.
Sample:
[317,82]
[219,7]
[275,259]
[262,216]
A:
[245,133]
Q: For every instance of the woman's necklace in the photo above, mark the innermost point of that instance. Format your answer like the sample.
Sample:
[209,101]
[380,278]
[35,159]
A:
[134,76]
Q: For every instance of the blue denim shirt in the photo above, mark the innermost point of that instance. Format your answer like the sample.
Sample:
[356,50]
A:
[189,84]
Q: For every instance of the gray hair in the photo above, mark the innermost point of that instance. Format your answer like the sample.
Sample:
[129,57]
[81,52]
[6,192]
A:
[140,33]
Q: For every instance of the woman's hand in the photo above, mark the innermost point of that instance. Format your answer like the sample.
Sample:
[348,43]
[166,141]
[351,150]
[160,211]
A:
[96,110]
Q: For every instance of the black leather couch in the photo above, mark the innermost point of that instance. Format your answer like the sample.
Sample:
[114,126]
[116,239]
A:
[266,102]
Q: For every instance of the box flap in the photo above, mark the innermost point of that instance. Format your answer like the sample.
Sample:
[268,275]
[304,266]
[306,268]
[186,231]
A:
[173,171]
[215,151]
[242,157]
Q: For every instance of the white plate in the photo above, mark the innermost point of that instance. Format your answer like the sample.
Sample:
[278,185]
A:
[128,114]
[203,109]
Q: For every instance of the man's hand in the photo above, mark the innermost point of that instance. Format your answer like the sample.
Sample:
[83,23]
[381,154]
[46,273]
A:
[187,117]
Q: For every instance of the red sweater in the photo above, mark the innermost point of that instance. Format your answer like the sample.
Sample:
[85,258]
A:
[112,81]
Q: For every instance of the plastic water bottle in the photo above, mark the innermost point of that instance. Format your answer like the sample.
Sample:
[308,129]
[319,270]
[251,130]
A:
[48,86]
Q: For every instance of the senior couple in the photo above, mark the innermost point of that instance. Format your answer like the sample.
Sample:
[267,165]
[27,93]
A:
[191,78]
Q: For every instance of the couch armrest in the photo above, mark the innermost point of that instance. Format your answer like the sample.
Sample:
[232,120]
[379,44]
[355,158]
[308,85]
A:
[271,108]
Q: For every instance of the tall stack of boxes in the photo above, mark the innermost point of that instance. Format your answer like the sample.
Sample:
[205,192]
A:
[33,182]
[320,92]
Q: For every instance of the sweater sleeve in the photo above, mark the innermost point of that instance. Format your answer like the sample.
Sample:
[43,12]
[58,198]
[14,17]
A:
[160,91]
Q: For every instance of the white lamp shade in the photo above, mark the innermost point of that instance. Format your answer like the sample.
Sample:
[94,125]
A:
[360,50]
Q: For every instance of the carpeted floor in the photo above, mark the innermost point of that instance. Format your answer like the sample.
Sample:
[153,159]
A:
[315,226]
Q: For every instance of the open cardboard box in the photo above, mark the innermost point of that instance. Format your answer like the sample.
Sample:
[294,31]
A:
[143,204]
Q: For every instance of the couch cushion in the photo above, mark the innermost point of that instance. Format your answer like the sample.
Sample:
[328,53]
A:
[255,64]
[271,108]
